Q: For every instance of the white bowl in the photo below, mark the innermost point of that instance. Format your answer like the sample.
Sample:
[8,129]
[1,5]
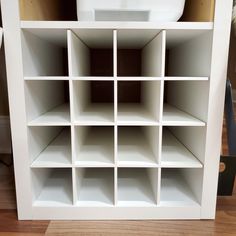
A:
[130,10]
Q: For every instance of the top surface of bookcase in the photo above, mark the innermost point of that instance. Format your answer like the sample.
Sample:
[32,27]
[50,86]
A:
[116,25]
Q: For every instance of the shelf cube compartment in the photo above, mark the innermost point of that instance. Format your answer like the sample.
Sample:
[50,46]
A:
[52,187]
[44,52]
[137,186]
[95,186]
[181,187]
[185,103]
[188,53]
[140,53]
[47,102]
[91,53]
[50,146]
[138,146]
[183,147]
[93,101]
[139,101]
[94,145]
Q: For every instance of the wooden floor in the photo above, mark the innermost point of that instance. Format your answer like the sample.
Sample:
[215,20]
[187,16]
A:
[225,223]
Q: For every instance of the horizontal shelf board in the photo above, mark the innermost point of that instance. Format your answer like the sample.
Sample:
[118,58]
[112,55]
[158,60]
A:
[57,153]
[133,148]
[97,147]
[119,78]
[175,191]
[94,123]
[185,78]
[46,77]
[133,112]
[91,164]
[138,78]
[57,190]
[57,116]
[172,116]
[96,113]
[134,188]
[138,164]
[96,188]
[93,78]
[114,25]
[94,203]
[175,154]
[137,123]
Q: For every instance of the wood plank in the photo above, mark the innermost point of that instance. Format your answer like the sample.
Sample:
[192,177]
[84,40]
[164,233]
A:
[11,226]
[20,234]
[146,228]
[47,10]
[199,10]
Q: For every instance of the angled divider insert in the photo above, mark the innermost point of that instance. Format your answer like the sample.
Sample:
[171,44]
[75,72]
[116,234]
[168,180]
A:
[137,186]
[94,145]
[193,139]
[50,146]
[185,103]
[91,52]
[95,186]
[189,53]
[44,52]
[93,101]
[52,187]
[139,101]
[138,146]
[181,187]
[176,154]
[47,102]
[141,53]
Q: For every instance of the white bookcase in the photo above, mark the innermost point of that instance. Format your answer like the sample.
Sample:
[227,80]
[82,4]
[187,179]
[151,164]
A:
[114,120]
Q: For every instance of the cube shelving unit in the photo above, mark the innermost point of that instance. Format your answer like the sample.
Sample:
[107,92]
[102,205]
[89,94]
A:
[116,120]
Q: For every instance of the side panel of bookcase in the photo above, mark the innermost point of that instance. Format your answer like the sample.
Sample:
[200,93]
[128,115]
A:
[12,40]
[215,106]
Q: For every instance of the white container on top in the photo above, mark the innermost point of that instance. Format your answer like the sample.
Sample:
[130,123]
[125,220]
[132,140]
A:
[130,10]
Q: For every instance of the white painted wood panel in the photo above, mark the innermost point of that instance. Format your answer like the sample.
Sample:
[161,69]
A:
[80,159]
[41,57]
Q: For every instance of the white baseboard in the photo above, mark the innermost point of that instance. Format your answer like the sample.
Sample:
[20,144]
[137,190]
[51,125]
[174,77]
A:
[5,135]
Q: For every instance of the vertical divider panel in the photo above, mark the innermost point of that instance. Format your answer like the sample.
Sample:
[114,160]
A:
[79,56]
[162,71]
[153,55]
[69,50]
[163,67]
[115,115]
[74,186]
[159,186]
[153,175]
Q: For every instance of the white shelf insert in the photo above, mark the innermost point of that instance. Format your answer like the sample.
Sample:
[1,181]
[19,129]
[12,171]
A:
[175,154]
[137,187]
[57,153]
[95,187]
[52,187]
[93,102]
[172,116]
[94,146]
[177,188]
[139,102]
[59,115]
[138,146]
[47,103]
[44,52]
